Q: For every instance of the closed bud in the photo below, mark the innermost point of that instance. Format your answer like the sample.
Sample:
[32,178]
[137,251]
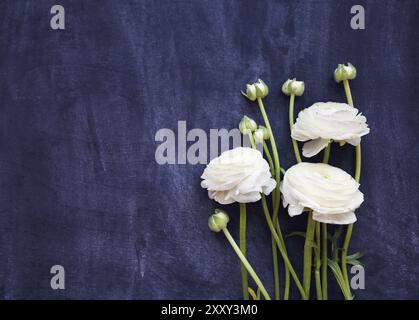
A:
[218,221]
[266,134]
[344,72]
[258,135]
[247,125]
[292,86]
[250,92]
[262,89]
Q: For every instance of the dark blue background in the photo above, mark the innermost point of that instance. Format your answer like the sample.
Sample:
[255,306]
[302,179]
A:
[79,109]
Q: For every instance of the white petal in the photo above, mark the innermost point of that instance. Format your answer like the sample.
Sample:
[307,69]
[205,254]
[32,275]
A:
[247,197]
[269,187]
[343,218]
[313,147]
[238,175]
[354,141]
[295,210]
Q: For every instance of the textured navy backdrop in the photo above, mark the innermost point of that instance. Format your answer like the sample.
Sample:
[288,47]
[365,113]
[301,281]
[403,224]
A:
[79,110]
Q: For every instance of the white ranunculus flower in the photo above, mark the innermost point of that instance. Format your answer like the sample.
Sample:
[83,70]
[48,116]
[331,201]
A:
[326,121]
[238,175]
[330,192]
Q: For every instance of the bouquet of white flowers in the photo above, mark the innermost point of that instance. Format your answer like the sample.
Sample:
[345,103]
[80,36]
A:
[328,194]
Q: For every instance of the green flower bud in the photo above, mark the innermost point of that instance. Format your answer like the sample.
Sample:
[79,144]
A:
[292,86]
[262,89]
[247,125]
[218,221]
[343,72]
[266,134]
[250,92]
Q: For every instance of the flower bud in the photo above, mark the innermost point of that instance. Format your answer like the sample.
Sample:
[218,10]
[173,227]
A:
[266,134]
[292,86]
[218,221]
[343,72]
[250,92]
[258,135]
[262,89]
[247,125]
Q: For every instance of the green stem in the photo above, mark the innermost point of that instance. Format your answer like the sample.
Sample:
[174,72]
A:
[324,260]
[276,270]
[357,178]
[281,248]
[277,194]
[326,155]
[344,254]
[318,264]
[326,158]
[243,250]
[275,153]
[348,92]
[246,264]
[269,158]
[358,163]
[252,141]
[287,272]
[291,119]
[273,243]
[308,253]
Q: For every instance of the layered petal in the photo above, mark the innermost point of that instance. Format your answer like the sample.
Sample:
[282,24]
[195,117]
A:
[325,121]
[331,193]
[238,175]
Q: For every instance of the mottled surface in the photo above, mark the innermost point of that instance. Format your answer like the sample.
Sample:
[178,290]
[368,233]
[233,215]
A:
[79,185]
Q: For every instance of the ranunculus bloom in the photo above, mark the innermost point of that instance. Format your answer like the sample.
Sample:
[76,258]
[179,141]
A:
[238,175]
[326,121]
[330,192]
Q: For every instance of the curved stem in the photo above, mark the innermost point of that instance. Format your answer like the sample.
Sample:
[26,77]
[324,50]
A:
[277,194]
[291,119]
[324,261]
[274,151]
[281,248]
[243,250]
[246,264]
[318,264]
[308,253]
[269,158]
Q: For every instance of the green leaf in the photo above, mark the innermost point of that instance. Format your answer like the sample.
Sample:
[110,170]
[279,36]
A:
[356,255]
[354,259]
[354,262]
[337,272]
[296,233]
